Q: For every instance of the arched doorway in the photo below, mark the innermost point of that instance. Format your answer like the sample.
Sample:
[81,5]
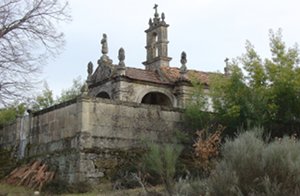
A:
[156,98]
[103,95]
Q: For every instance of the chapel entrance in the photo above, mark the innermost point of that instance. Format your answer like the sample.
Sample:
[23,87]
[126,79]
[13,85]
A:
[103,95]
[156,98]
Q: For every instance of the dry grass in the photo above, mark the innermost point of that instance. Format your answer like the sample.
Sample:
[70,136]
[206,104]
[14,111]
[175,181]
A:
[102,190]
[9,190]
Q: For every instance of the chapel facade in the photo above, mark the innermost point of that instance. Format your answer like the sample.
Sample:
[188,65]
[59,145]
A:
[89,138]
[157,84]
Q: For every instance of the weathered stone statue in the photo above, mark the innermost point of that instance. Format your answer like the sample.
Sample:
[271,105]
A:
[90,69]
[104,58]
[150,22]
[104,44]
[163,16]
[183,61]
[121,57]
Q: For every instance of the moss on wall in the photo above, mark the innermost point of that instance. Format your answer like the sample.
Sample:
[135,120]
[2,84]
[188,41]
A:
[7,161]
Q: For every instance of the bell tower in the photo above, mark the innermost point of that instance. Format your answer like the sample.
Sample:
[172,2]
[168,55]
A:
[157,42]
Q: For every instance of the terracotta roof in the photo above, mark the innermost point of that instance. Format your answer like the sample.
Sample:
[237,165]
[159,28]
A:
[173,74]
[144,75]
[168,75]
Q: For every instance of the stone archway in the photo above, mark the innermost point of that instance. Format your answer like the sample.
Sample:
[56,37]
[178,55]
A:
[103,95]
[157,98]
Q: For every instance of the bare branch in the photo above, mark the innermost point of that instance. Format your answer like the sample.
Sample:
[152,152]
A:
[28,35]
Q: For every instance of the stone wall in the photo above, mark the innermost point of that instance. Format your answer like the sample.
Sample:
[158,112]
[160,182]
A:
[88,138]
[114,130]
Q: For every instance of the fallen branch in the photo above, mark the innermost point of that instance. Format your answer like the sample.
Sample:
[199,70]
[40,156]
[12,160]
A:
[33,175]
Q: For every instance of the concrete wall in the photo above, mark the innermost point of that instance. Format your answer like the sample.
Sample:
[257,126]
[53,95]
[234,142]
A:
[89,138]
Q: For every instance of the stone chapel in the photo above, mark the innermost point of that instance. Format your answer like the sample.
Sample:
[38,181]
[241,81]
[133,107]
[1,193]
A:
[157,84]
[90,137]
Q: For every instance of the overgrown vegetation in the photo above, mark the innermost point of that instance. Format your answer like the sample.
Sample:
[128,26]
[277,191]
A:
[8,115]
[46,99]
[260,92]
[251,166]
[207,148]
[255,92]
[7,161]
[13,190]
[161,160]
[43,100]
[62,187]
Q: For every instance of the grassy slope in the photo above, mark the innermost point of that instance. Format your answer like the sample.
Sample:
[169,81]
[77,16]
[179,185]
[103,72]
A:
[14,191]
[21,191]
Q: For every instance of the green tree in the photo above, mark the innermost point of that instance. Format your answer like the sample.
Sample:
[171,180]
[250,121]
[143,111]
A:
[72,92]
[260,92]
[197,115]
[44,100]
[9,114]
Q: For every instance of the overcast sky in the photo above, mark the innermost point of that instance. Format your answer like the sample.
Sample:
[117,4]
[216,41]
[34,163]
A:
[207,30]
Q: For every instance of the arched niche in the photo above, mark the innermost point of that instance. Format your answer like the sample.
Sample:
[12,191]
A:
[157,98]
[154,44]
[103,95]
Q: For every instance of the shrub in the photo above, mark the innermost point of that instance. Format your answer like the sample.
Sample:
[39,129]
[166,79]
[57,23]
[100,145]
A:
[251,166]
[161,160]
[128,167]
[79,187]
[59,186]
[207,148]
[7,161]
[190,187]
[56,186]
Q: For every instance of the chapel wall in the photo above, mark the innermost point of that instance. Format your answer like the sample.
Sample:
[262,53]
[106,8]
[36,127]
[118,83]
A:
[115,132]
[90,139]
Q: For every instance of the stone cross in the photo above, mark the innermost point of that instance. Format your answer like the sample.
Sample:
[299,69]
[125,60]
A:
[155,7]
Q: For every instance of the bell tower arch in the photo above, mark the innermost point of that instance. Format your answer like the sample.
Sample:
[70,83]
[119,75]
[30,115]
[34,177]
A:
[157,42]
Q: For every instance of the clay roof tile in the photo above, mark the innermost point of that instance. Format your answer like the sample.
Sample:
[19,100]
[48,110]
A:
[170,75]
[173,73]
[145,75]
